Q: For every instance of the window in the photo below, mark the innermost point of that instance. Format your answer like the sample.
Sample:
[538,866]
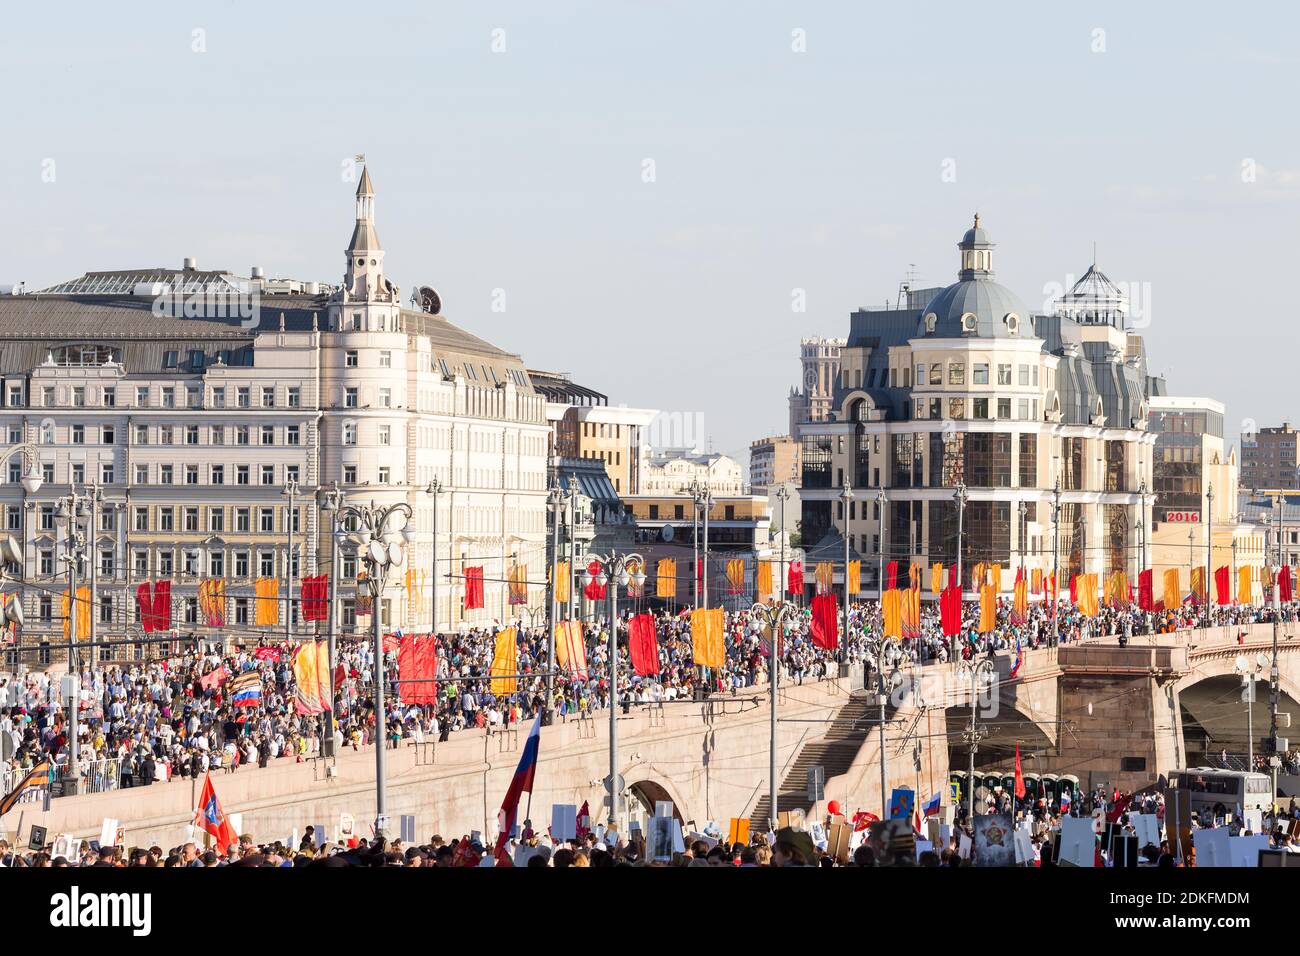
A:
[1024,374]
[169,398]
[166,565]
[266,564]
[142,474]
[349,474]
[1004,408]
[141,519]
[980,374]
[142,396]
[79,396]
[15,470]
[268,474]
[191,474]
[165,433]
[385,398]
[980,408]
[217,520]
[165,474]
[241,604]
[15,396]
[218,434]
[218,474]
[106,569]
[385,359]
[196,360]
[191,434]
[241,564]
[385,434]
[383,474]
[142,564]
[110,396]
[77,473]
[241,435]
[169,358]
[106,473]
[46,569]
[350,398]
[268,396]
[47,517]
[193,398]
[242,396]
[242,520]
[294,396]
[291,435]
[268,435]
[107,435]
[166,519]
[266,520]
[241,474]
[956,408]
[956,373]
[350,358]
[1004,374]
[191,519]
[349,433]
[142,434]
[78,434]
[920,374]
[1022,409]
[47,396]
[349,608]
[219,397]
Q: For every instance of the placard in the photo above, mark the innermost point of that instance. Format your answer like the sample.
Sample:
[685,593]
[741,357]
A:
[1244,850]
[107,832]
[838,838]
[1124,850]
[993,840]
[36,838]
[236,823]
[794,819]
[738,832]
[1147,827]
[818,834]
[1024,846]
[901,803]
[964,844]
[564,822]
[663,808]
[923,846]
[1078,842]
[1211,847]
[347,827]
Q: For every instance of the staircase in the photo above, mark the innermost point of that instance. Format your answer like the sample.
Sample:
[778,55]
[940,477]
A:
[834,751]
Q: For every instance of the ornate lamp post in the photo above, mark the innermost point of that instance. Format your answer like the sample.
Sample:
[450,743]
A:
[74,509]
[960,496]
[773,617]
[981,673]
[613,571]
[381,548]
[434,490]
[290,491]
[846,498]
[887,661]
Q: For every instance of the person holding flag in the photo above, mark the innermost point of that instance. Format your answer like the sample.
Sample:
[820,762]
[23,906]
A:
[209,817]
[523,780]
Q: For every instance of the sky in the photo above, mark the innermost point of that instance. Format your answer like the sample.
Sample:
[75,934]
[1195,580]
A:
[662,198]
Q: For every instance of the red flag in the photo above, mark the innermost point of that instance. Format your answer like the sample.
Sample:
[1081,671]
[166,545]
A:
[1020,777]
[474,588]
[1121,804]
[891,573]
[950,610]
[825,621]
[315,598]
[862,820]
[209,817]
[1284,583]
[1222,585]
[643,645]
[593,591]
[1074,589]
[162,605]
[1145,596]
[144,601]
[794,578]
[213,679]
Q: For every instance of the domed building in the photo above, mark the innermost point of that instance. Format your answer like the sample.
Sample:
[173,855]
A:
[966,386]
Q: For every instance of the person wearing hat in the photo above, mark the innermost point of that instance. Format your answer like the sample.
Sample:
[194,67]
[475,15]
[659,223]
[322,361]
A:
[793,848]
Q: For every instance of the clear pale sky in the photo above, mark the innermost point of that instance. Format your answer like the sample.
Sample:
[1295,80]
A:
[1170,139]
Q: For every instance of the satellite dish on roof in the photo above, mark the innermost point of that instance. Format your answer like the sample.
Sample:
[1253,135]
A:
[429,300]
[666,532]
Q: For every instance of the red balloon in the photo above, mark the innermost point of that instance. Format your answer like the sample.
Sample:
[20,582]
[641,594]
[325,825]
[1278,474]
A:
[833,807]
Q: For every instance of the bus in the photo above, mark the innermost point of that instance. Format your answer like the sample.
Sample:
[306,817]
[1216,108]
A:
[1219,792]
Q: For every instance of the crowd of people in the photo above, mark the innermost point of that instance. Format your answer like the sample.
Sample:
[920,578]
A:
[160,719]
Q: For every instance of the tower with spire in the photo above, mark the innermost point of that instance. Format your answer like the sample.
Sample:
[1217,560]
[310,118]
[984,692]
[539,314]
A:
[976,253]
[367,300]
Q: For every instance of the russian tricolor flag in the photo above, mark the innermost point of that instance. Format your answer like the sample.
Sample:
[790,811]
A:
[932,806]
[1020,658]
[523,780]
[1065,802]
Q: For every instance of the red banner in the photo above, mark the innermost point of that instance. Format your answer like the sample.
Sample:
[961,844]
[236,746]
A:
[643,645]
[473,588]
[825,621]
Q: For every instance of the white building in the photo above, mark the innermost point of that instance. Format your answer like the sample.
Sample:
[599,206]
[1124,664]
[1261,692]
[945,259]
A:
[192,416]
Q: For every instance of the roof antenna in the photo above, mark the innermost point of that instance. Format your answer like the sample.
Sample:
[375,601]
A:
[1094,253]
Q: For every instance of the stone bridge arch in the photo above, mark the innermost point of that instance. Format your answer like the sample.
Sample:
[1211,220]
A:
[1213,715]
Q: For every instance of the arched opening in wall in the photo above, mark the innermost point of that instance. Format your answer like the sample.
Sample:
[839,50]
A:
[995,759]
[642,797]
[1217,721]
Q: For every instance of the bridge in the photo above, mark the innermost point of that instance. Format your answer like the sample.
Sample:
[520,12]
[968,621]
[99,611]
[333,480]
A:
[1111,715]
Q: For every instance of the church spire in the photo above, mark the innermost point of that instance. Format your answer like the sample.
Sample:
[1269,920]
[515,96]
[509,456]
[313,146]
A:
[365,269]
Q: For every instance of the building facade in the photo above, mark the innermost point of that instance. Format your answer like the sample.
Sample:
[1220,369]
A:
[192,416]
[669,472]
[819,365]
[973,389]
[772,461]
[1270,458]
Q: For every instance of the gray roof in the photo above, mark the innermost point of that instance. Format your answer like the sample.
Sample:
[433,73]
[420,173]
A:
[987,300]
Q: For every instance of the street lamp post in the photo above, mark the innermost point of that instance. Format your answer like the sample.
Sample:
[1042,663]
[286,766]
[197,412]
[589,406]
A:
[434,489]
[782,494]
[981,671]
[1142,521]
[572,498]
[1056,554]
[330,501]
[555,501]
[74,508]
[846,497]
[381,548]
[1021,532]
[290,491]
[961,497]
[1209,548]
[885,657]
[613,570]
[774,617]
[1250,671]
